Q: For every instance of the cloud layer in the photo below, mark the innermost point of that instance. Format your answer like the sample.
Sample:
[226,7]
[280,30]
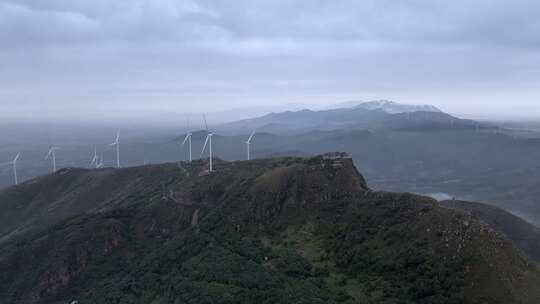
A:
[70,56]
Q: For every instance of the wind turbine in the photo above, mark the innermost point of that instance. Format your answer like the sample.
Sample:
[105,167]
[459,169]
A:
[95,160]
[14,164]
[100,163]
[117,144]
[188,139]
[248,145]
[52,154]
[208,141]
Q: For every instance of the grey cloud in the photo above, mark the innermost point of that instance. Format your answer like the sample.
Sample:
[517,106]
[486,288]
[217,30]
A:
[29,23]
[20,26]
[101,54]
[491,22]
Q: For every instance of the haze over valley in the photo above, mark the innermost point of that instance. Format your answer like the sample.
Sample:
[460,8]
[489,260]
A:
[426,152]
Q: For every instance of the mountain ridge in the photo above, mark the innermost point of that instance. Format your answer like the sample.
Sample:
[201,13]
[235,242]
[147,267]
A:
[304,230]
[364,116]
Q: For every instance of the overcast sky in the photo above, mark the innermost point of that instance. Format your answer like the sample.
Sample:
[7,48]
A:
[65,57]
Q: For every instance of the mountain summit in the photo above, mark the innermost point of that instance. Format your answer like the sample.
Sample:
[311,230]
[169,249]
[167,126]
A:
[395,108]
[390,107]
[282,230]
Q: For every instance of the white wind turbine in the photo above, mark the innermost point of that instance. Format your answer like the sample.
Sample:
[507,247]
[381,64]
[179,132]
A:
[95,160]
[208,141]
[100,162]
[248,145]
[14,164]
[117,144]
[52,155]
[188,140]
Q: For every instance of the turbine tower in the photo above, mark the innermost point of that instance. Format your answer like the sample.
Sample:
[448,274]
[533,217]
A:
[208,142]
[52,155]
[248,145]
[95,160]
[116,143]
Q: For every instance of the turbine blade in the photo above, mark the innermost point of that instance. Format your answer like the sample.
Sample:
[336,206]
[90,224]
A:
[205,143]
[117,136]
[95,158]
[185,139]
[16,157]
[49,153]
[251,137]
[205,124]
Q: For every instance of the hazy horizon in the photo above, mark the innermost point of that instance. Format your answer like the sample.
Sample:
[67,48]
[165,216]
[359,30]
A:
[178,117]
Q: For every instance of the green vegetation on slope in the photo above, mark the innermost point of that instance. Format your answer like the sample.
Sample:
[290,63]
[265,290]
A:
[267,231]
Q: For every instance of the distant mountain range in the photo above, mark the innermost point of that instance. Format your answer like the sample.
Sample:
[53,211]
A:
[367,115]
[242,113]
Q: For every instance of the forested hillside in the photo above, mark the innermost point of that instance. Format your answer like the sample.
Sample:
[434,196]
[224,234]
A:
[284,230]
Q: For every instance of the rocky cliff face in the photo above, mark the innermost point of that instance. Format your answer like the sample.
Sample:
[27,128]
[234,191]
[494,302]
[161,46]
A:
[287,230]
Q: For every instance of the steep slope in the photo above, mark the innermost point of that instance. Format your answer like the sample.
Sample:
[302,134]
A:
[523,234]
[286,230]
[45,200]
